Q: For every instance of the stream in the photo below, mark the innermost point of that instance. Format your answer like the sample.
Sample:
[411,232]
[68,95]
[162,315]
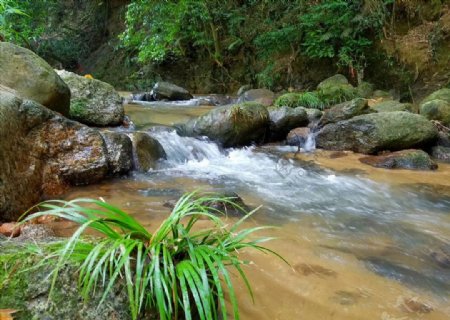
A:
[362,243]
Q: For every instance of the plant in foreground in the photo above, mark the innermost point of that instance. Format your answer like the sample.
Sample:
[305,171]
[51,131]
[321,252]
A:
[178,270]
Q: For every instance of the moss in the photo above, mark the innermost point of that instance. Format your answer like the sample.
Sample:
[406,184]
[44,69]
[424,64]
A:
[25,286]
[337,94]
[78,107]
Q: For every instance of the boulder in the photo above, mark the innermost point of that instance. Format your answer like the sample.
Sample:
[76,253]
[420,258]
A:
[243,88]
[42,154]
[405,159]
[169,91]
[119,152]
[232,125]
[392,105]
[376,132]
[33,78]
[344,111]
[441,153]
[147,151]
[314,116]
[298,136]
[284,119]
[442,94]
[364,89]
[142,96]
[26,284]
[336,89]
[436,109]
[262,96]
[334,81]
[93,102]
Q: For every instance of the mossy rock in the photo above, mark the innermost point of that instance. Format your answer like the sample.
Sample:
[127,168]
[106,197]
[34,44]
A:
[232,125]
[405,159]
[365,89]
[392,105]
[344,111]
[334,81]
[375,132]
[25,287]
[442,94]
[437,109]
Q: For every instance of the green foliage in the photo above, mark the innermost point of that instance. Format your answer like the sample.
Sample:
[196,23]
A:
[305,99]
[342,29]
[179,269]
[337,94]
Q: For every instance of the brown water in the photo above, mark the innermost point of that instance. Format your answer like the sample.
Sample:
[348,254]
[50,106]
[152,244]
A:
[361,242]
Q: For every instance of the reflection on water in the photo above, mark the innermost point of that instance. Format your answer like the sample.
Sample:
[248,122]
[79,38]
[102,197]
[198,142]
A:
[363,243]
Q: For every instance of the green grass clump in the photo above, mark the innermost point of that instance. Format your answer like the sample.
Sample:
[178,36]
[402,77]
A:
[177,271]
[338,94]
[305,99]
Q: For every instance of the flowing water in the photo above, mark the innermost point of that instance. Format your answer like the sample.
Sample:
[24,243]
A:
[362,243]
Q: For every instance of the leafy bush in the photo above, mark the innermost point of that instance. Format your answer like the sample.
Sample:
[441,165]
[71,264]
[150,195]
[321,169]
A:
[177,269]
[305,99]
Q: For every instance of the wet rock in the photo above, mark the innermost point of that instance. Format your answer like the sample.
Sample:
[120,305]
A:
[436,110]
[10,229]
[36,232]
[284,119]
[217,100]
[232,125]
[75,154]
[142,96]
[413,305]
[441,257]
[298,136]
[405,159]
[344,111]
[232,206]
[93,102]
[441,153]
[443,139]
[169,91]
[314,116]
[392,105]
[29,292]
[43,154]
[147,151]
[33,78]
[262,96]
[119,152]
[372,133]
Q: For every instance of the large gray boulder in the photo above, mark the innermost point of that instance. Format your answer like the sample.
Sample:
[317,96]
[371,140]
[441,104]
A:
[376,132]
[93,102]
[43,153]
[284,119]
[33,78]
[344,111]
[119,152]
[169,91]
[232,125]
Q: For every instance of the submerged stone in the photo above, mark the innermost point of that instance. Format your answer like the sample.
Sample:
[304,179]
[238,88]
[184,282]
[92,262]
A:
[405,159]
